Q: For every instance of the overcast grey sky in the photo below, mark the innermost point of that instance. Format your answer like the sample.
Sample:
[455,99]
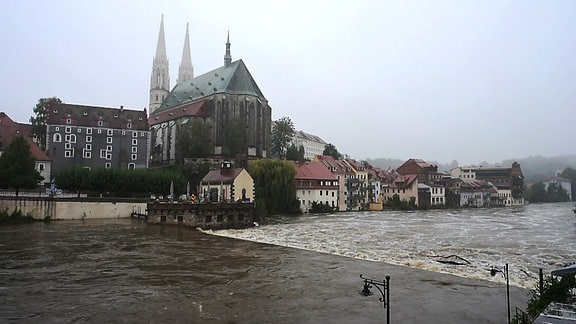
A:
[470,81]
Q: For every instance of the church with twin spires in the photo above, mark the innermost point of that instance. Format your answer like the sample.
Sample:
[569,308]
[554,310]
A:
[221,114]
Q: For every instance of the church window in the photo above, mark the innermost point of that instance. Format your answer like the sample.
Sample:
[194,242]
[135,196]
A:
[156,97]
[57,138]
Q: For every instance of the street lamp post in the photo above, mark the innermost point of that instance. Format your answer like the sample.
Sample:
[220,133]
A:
[383,287]
[493,272]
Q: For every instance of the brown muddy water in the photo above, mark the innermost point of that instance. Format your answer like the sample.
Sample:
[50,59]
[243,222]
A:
[124,271]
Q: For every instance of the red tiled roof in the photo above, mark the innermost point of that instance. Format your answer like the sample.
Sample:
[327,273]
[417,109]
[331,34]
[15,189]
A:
[195,109]
[311,170]
[10,129]
[89,116]
[221,175]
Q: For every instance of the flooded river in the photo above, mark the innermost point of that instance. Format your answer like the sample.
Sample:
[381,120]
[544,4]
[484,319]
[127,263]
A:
[124,271]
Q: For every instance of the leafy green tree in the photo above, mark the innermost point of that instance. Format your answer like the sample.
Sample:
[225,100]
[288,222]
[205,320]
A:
[193,141]
[18,166]
[38,122]
[537,193]
[295,154]
[73,179]
[554,291]
[275,186]
[331,150]
[282,134]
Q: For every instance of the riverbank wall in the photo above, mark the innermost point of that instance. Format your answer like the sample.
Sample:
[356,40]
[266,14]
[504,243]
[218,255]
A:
[207,216]
[74,208]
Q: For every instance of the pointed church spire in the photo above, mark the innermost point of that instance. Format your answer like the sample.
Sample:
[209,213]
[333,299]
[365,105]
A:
[227,56]
[186,71]
[160,79]
[161,45]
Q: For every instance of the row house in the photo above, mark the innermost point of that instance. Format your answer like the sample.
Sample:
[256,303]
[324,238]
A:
[96,137]
[478,193]
[315,184]
[313,145]
[509,181]
[342,173]
[357,184]
[9,129]
[405,186]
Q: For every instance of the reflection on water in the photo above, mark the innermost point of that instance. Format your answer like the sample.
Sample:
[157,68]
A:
[527,238]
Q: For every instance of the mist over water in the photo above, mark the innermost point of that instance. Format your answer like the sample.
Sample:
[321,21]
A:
[527,238]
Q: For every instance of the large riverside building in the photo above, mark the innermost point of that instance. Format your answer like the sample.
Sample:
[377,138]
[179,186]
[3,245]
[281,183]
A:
[219,114]
[96,137]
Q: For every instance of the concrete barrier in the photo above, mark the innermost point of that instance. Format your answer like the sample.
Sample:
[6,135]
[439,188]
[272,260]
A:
[74,208]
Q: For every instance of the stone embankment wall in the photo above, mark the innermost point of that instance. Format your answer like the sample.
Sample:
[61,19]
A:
[74,208]
[206,216]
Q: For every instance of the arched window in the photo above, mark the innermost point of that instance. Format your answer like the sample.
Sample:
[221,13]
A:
[57,138]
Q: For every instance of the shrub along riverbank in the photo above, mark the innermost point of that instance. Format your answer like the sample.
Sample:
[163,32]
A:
[17,217]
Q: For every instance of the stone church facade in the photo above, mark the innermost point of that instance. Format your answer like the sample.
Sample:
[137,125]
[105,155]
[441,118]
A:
[221,114]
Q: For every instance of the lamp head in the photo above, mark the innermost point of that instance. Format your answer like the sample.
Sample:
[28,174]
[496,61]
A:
[366,290]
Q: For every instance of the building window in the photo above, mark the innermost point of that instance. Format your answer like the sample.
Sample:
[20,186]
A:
[131,166]
[57,138]
[68,130]
[134,134]
[68,121]
[87,154]
[72,138]
[108,156]
[134,149]
[88,147]
[109,140]
[99,131]
[57,129]
[123,132]
[100,123]
[129,125]
[89,139]
[108,165]
[88,130]
[103,154]
[79,130]
[41,167]
[134,156]
[109,132]
[142,134]
[67,146]
[134,142]
[69,153]
[108,148]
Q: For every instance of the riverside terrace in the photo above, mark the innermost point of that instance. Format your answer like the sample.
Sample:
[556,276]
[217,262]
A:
[207,216]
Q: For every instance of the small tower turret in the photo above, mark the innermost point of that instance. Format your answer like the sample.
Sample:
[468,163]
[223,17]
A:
[227,56]
[160,79]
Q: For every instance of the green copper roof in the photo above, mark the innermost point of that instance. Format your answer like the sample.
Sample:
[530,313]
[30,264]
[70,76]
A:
[232,79]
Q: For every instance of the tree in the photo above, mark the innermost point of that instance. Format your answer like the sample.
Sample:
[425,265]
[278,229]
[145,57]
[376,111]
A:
[193,141]
[275,186]
[18,166]
[282,134]
[331,150]
[73,179]
[537,193]
[295,154]
[41,110]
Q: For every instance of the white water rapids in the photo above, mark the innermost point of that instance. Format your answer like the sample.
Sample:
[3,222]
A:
[527,238]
